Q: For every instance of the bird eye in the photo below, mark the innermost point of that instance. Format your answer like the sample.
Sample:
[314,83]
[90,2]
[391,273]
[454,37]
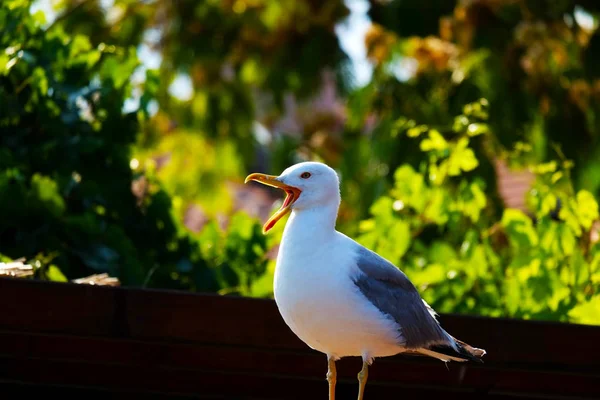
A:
[305,175]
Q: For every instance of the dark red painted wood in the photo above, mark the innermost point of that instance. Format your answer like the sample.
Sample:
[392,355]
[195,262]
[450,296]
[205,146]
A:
[117,342]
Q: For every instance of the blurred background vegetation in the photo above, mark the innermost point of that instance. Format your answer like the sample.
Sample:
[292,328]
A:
[466,134]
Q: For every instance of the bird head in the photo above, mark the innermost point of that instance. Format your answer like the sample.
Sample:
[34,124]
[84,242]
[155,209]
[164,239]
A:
[307,185]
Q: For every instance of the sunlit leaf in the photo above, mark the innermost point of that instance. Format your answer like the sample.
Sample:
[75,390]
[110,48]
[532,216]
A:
[587,208]
[549,237]
[519,228]
[462,158]
[544,168]
[477,129]
[431,274]
[441,252]
[548,204]
[437,207]
[54,274]
[568,215]
[512,295]
[410,187]
[567,240]
[588,312]
[435,141]
[417,131]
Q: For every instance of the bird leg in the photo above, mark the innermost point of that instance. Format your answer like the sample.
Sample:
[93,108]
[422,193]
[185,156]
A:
[362,380]
[331,377]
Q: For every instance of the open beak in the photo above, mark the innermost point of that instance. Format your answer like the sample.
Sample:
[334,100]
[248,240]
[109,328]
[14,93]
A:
[292,194]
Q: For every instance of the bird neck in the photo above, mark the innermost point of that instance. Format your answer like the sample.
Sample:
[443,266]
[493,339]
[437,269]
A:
[312,224]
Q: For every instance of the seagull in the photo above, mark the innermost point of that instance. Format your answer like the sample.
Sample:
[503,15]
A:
[339,297]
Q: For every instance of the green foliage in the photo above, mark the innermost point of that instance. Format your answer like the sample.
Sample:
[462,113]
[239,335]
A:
[238,253]
[66,198]
[534,61]
[236,53]
[105,168]
[437,224]
[196,170]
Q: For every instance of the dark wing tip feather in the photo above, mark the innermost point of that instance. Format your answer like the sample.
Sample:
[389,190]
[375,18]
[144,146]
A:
[462,351]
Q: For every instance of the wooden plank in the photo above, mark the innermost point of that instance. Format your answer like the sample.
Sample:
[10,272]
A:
[182,381]
[307,364]
[519,342]
[155,341]
[24,390]
[230,384]
[178,316]
[225,320]
[49,307]
[133,355]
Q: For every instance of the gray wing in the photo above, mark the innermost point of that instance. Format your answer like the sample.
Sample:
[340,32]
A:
[390,290]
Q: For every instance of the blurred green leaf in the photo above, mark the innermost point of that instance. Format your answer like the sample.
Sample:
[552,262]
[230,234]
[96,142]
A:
[586,313]
[462,158]
[435,141]
[587,208]
[54,274]
[45,192]
[519,227]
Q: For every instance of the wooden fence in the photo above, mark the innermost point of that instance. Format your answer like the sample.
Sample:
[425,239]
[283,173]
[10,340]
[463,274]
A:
[112,343]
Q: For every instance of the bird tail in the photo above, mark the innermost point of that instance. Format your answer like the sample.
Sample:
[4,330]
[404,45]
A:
[455,351]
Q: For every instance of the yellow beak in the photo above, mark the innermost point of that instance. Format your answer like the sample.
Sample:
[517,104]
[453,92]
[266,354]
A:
[292,194]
